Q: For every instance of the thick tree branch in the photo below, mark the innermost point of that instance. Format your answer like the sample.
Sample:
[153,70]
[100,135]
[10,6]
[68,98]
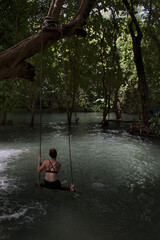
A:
[12,61]
[85,9]
[134,20]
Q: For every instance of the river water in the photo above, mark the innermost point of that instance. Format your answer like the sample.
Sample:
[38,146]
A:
[118,176]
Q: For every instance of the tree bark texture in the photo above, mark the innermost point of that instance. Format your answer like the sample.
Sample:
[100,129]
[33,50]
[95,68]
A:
[4,118]
[142,83]
[13,62]
[116,109]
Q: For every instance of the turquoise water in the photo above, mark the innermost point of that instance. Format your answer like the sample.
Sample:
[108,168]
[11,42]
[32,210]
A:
[118,175]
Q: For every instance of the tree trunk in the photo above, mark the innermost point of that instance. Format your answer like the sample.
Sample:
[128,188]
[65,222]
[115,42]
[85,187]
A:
[142,83]
[4,118]
[12,61]
[115,105]
[106,110]
[104,82]
[72,86]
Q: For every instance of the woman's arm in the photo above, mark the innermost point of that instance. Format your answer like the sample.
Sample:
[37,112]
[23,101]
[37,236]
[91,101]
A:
[41,166]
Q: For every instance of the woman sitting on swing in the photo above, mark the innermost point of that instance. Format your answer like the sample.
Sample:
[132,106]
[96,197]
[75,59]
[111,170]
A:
[52,168]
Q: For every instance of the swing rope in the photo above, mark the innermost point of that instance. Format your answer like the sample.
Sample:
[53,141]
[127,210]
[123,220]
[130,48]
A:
[40,100]
[67,106]
[67,102]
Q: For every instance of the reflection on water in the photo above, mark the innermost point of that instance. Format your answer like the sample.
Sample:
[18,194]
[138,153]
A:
[118,176]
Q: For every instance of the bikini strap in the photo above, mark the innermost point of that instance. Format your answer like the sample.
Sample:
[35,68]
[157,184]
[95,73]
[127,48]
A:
[53,166]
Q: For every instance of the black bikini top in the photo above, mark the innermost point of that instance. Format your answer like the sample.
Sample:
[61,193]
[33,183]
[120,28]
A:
[52,167]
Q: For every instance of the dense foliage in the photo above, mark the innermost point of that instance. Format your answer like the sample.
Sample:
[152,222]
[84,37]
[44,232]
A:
[95,73]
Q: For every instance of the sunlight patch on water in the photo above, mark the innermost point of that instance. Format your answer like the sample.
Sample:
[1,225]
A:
[4,154]
[7,155]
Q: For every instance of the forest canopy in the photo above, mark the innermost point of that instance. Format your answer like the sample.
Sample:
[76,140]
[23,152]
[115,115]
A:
[104,54]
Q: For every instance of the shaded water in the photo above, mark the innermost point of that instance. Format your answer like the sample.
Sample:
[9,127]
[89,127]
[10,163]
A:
[118,175]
